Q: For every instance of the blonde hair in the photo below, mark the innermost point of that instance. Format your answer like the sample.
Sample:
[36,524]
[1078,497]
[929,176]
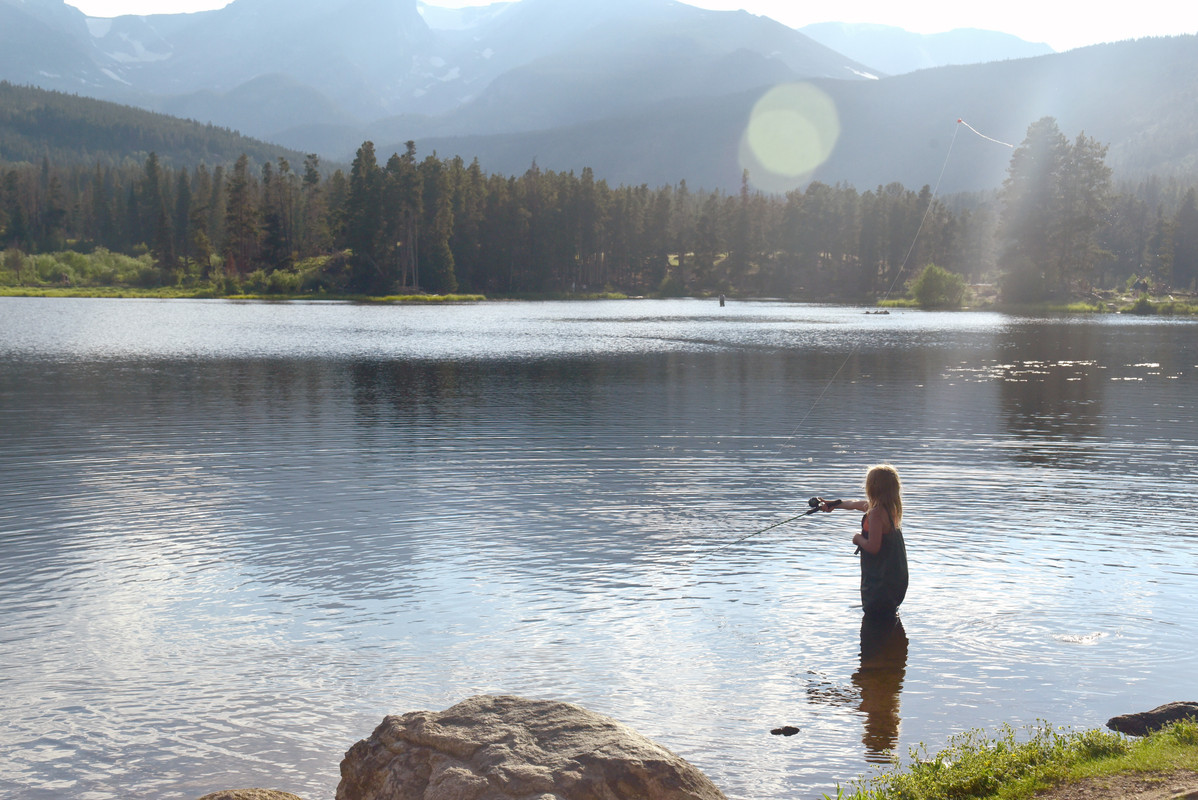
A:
[883,488]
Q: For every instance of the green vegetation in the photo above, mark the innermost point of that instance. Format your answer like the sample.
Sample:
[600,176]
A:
[1013,767]
[414,227]
[37,124]
[1145,306]
[1085,307]
[936,287]
[423,298]
[105,274]
[1054,201]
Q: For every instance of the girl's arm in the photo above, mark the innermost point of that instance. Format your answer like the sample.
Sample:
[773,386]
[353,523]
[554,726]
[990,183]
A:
[847,505]
[878,525]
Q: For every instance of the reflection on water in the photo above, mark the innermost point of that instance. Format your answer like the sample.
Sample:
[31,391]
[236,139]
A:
[880,681]
[233,536]
[1049,392]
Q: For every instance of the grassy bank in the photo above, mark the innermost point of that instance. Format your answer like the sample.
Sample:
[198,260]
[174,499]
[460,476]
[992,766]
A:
[1011,766]
[1142,306]
[209,292]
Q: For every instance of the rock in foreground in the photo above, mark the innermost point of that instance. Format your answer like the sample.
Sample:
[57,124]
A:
[1145,722]
[496,748]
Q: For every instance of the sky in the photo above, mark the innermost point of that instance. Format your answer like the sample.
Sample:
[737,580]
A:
[1063,25]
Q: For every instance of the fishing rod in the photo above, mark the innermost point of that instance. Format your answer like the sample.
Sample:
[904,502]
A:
[815,504]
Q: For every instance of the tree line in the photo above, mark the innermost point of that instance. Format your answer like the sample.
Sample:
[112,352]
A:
[443,225]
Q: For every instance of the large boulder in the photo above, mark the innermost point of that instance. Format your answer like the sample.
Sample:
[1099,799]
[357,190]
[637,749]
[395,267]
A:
[495,748]
[1145,722]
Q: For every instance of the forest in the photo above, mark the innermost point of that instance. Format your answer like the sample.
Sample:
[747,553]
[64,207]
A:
[1057,229]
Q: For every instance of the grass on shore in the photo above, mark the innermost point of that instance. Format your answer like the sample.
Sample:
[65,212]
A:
[1143,306]
[1010,767]
[170,293]
[207,292]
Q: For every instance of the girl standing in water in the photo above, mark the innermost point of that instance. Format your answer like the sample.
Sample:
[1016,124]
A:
[880,542]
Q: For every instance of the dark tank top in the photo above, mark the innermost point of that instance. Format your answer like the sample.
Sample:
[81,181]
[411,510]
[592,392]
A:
[884,574]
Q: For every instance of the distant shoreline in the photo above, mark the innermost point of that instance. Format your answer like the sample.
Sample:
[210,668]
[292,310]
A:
[1167,306]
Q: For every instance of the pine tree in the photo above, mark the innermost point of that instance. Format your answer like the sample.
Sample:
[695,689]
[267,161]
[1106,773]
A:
[163,250]
[469,197]
[363,220]
[1031,197]
[242,223]
[16,231]
[1185,243]
[436,256]
[52,216]
[181,223]
[200,243]
[402,202]
[1054,199]
[315,236]
[276,250]
[1085,200]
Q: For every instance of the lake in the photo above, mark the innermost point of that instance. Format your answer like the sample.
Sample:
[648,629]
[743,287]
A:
[235,535]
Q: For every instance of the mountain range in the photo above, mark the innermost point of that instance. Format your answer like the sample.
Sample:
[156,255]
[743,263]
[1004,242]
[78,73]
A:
[642,91]
[894,51]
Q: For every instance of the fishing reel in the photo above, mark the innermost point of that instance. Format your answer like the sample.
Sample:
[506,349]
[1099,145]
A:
[816,502]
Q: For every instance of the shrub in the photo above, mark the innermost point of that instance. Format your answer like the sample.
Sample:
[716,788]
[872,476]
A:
[147,275]
[1143,307]
[49,269]
[671,287]
[284,282]
[936,287]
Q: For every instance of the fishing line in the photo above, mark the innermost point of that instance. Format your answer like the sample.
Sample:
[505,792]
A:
[984,136]
[813,502]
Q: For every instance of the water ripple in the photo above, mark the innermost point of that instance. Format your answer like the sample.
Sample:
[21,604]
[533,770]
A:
[233,536]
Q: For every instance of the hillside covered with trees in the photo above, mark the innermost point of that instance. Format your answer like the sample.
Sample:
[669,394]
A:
[266,222]
[69,129]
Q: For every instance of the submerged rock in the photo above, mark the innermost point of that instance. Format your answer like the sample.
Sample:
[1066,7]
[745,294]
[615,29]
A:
[499,747]
[1145,722]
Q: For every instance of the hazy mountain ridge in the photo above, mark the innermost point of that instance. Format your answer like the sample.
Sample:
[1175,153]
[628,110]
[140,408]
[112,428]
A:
[894,51]
[604,70]
[1136,96]
[373,59]
[642,91]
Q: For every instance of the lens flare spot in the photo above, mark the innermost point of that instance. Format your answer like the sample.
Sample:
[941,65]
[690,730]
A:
[793,129]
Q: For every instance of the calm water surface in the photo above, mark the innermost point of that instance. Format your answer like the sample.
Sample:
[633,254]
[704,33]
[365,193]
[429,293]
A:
[233,536]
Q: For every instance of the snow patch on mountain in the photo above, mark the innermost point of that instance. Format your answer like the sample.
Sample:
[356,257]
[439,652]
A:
[140,53]
[98,27]
[115,77]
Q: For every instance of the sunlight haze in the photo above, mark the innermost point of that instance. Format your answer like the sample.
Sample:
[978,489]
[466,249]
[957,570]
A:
[1065,26]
